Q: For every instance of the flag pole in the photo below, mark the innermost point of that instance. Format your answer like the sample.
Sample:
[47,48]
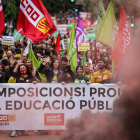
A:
[95,55]
[31,49]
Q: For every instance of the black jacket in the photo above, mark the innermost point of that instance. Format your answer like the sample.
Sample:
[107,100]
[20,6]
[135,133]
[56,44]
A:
[50,74]
[19,78]
[2,79]
[69,71]
[6,74]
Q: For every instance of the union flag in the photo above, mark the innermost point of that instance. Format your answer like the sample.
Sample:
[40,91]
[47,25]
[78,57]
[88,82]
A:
[34,20]
[2,23]
[123,41]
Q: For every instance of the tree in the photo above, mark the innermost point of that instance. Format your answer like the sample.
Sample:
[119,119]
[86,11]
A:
[11,7]
[131,8]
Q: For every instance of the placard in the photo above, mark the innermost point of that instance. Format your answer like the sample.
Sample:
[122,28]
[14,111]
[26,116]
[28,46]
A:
[83,47]
[65,43]
[8,40]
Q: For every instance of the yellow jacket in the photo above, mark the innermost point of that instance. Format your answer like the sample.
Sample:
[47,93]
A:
[102,77]
[12,80]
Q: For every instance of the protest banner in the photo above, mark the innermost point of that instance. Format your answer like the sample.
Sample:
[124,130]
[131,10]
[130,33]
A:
[83,14]
[65,44]
[8,40]
[62,28]
[83,47]
[90,30]
[49,106]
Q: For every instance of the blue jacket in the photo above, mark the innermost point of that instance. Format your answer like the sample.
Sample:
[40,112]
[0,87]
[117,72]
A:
[50,74]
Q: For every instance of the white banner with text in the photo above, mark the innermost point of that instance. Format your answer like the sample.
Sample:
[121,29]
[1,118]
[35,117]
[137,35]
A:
[27,106]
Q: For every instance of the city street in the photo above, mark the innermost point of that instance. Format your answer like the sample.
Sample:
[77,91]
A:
[31,136]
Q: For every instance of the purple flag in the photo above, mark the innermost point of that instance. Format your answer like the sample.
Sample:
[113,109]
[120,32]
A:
[80,35]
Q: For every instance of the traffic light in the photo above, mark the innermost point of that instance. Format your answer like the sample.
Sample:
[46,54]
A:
[72,0]
[132,22]
[5,24]
[76,10]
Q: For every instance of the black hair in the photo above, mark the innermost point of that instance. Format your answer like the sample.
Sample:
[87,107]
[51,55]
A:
[18,50]
[101,59]
[28,71]
[66,52]
[13,52]
[40,51]
[63,59]
[25,43]
[1,51]
[54,52]
[5,62]
[47,52]
[79,66]
[53,45]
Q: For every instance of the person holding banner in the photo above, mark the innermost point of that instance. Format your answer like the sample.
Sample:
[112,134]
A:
[23,74]
[65,66]
[88,71]
[79,77]
[102,76]
[32,70]
[53,74]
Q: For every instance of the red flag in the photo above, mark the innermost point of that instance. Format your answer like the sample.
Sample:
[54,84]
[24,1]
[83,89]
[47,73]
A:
[54,40]
[57,46]
[2,23]
[123,40]
[56,18]
[34,20]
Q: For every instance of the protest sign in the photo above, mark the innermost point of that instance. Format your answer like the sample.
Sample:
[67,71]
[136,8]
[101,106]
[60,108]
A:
[83,47]
[65,44]
[8,40]
[90,30]
[49,106]
[62,28]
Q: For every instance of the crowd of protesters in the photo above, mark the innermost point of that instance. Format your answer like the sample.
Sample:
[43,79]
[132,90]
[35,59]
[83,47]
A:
[15,67]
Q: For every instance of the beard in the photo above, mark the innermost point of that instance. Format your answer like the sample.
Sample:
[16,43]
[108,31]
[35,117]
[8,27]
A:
[101,67]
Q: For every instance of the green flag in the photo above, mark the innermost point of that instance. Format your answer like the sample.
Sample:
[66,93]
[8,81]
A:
[16,35]
[101,14]
[91,35]
[62,53]
[55,34]
[84,59]
[69,26]
[107,32]
[36,64]
[22,38]
[72,49]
